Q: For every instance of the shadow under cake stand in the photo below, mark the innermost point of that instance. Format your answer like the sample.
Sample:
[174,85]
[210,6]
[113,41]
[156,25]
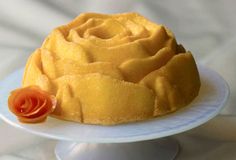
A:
[132,141]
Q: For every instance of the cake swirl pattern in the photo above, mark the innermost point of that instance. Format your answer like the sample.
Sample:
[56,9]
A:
[111,69]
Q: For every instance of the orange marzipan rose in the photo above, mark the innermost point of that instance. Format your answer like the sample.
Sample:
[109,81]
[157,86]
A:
[31,104]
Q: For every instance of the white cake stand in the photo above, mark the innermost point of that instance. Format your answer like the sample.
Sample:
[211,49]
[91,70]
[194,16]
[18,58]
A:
[90,142]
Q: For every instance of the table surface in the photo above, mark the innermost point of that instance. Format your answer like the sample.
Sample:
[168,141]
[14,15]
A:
[206,28]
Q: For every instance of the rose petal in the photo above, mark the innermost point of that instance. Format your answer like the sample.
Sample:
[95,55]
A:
[37,109]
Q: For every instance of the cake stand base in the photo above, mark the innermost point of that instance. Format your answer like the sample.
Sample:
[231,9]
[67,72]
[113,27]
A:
[161,149]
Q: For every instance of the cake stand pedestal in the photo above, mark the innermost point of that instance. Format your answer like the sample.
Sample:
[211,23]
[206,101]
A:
[161,149]
[125,141]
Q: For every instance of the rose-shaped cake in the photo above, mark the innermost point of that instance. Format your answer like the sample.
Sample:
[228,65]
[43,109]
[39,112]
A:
[111,69]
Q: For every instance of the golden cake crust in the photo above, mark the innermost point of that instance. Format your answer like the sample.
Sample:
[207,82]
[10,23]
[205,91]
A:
[111,69]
